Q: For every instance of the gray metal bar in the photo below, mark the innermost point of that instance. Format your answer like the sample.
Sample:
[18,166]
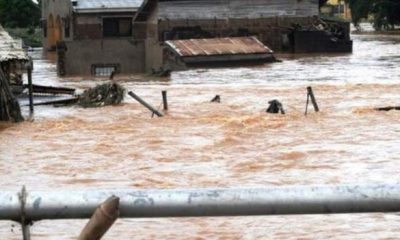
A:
[207,202]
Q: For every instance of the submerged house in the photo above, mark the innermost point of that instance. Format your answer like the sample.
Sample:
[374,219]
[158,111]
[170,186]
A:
[13,61]
[181,54]
[13,57]
[98,37]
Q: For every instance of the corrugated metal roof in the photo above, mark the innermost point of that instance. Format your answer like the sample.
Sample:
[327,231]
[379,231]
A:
[231,9]
[107,5]
[218,46]
[10,49]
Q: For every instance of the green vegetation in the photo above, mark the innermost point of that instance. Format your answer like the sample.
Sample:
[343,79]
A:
[385,13]
[31,36]
[19,13]
[21,18]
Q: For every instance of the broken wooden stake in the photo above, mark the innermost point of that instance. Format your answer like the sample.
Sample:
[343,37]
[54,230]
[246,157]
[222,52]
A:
[165,100]
[148,106]
[310,95]
[102,220]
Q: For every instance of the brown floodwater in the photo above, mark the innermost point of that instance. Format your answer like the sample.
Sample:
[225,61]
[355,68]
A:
[232,144]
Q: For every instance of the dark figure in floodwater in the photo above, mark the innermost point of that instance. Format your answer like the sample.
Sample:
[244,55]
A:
[275,107]
[112,75]
[216,99]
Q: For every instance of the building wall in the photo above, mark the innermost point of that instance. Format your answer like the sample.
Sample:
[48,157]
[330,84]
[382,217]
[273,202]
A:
[90,26]
[87,46]
[57,21]
[154,48]
[80,55]
[87,27]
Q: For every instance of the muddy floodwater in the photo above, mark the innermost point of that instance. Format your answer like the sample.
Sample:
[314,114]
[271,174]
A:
[232,144]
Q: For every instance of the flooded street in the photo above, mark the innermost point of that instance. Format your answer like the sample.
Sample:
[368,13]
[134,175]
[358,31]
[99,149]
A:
[232,144]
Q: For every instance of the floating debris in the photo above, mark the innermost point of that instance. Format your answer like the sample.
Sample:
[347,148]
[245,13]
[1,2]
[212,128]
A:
[102,95]
[58,102]
[275,107]
[387,109]
[216,99]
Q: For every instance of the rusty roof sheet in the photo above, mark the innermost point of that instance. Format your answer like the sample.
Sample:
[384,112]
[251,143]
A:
[10,49]
[218,46]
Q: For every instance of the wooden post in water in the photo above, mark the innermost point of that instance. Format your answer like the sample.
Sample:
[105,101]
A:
[141,101]
[165,100]
[25,224]
[102,220]
[310,95]
[30,86]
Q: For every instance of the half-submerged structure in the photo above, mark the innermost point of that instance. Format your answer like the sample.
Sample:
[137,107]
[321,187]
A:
[182,54]
[12,65]
[98,37]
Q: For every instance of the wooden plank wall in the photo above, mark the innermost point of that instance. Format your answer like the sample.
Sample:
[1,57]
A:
[223,9]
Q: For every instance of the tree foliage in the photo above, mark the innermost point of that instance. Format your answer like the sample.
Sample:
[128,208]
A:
[385,13]
[19,13]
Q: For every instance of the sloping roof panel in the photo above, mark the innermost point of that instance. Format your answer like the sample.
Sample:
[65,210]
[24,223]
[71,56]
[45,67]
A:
[231,9]
[218,46]
[107,5]
[10,49]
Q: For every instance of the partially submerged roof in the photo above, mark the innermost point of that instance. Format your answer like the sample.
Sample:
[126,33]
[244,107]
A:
[220,49]
[11,49]
[94,6]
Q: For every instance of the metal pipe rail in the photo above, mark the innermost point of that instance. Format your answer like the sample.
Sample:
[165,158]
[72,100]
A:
[204,202]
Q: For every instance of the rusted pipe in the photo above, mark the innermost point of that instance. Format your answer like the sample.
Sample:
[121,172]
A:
[102,220]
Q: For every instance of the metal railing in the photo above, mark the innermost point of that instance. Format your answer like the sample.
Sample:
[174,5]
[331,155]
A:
[40,205]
